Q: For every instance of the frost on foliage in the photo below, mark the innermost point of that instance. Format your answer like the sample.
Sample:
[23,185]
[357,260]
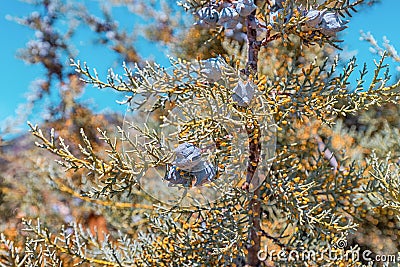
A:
[378,49]
[243,93]
[189,167]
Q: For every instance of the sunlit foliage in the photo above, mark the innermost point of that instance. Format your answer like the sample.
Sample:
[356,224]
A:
[333,180]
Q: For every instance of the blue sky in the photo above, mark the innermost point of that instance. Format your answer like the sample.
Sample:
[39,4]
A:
[381,20]
[16,76]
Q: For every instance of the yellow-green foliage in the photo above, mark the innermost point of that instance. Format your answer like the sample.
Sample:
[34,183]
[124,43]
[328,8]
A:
[331,169]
